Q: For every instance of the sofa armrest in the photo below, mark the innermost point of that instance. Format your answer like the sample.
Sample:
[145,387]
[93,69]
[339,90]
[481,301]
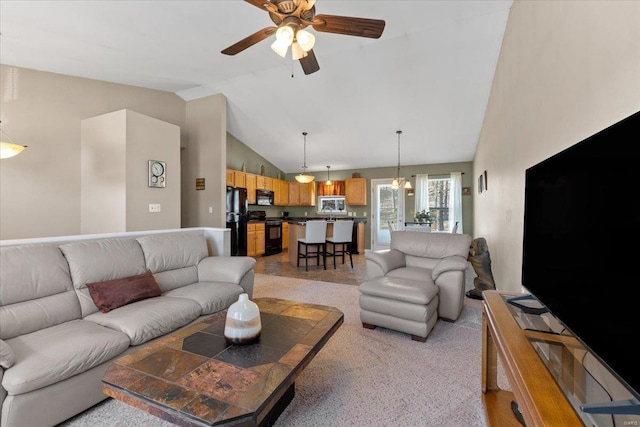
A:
[7,358]
[224,268]
[386,260]
[451,263]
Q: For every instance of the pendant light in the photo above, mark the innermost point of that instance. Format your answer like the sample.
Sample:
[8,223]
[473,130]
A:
[8,148]
[303,178]
[397,181]
[328,181]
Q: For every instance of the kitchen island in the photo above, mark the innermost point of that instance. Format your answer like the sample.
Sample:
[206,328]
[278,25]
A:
[297,230]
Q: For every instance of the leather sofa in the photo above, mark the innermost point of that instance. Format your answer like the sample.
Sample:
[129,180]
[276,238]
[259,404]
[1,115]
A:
[55,344]
[419,274]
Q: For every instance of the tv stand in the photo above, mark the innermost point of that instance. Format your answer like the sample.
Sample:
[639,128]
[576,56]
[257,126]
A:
[553,380]
[538,397]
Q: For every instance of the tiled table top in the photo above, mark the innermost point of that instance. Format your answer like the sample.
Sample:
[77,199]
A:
[193,377]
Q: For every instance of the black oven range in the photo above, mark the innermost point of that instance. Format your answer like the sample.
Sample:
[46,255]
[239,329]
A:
[272,232]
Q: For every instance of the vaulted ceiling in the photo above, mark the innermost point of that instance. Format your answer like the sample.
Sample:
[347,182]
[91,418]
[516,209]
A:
[429,74]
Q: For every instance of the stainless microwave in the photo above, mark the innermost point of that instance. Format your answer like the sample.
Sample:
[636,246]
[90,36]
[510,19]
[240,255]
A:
[264,197]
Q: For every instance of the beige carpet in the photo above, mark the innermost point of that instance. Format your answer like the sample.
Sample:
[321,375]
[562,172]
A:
[363,377]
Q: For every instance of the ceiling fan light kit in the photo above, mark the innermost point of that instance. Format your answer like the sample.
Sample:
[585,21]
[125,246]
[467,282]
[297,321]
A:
[291,17]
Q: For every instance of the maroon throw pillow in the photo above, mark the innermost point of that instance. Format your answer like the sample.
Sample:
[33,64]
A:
[112,294]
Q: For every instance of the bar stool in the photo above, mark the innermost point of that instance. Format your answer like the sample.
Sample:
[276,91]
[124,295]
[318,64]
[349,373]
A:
[341,240]
[314,238]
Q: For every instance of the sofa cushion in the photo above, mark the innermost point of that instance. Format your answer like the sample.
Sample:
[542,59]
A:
[35,290]
[178,254]
[53,354]
[431,245]
[212,296]
[118,292]
[100,260]
[149,318]
[7,357]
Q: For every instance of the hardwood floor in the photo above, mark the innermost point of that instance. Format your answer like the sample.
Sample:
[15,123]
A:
[279,265]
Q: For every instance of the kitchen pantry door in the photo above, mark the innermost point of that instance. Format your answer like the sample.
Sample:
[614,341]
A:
[388,205]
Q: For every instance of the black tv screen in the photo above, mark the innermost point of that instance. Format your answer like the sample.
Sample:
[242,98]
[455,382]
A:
[581,222]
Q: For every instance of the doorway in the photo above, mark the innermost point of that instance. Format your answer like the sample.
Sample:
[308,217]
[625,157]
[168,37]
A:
[387,206]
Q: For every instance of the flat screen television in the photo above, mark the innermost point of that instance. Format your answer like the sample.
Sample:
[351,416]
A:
[581,222]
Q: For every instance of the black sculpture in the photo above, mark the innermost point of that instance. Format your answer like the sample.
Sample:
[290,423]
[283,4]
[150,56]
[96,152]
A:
[481,263]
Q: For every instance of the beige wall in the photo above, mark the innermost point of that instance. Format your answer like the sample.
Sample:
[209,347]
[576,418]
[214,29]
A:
[205,156]
[40,188]
[115,155]
[567,69]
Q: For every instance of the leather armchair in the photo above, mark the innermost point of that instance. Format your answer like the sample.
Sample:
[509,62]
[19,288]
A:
[435,258]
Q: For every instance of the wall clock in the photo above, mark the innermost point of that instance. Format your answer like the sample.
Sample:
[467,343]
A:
[157,174]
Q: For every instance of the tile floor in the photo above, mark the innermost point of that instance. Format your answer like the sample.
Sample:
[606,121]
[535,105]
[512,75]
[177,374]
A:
[278,265]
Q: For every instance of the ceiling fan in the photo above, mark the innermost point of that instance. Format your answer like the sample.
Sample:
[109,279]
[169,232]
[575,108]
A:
[291,17]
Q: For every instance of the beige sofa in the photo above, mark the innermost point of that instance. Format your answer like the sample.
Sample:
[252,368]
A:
[55,344]
[419,279]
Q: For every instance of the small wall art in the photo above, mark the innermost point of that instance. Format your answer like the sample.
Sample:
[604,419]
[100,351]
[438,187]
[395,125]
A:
[481,184]
[466,191]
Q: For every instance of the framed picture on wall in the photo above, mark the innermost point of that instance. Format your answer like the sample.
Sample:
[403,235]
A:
[480,184]
[485,187]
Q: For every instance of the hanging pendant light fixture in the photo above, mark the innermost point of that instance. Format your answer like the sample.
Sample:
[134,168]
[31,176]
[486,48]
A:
[8,148]
[397,181]
[328,181]
[304,178]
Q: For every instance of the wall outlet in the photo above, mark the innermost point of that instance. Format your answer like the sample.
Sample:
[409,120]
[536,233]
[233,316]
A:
[154,207]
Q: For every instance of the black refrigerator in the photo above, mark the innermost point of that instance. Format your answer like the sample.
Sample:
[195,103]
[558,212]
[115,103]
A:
[237,207]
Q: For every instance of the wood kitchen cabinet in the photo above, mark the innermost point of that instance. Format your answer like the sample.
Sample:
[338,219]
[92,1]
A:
[239,179]
[255,238]
[285,235]
[230,178]
[251,188]
[281,192]
[356,191]
[302,194]
[264,182]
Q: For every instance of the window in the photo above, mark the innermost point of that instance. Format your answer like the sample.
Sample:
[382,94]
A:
[437,194]
[335,204]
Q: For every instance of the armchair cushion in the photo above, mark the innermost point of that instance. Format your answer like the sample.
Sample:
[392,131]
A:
[431,245]
[452,263]
[387,260]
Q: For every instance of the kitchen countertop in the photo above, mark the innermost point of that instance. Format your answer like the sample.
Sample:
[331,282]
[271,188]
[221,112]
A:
[303,219]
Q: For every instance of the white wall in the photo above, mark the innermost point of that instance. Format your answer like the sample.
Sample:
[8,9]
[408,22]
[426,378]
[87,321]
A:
[567,69]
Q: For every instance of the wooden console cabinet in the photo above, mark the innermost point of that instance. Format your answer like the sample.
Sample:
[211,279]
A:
[540,400]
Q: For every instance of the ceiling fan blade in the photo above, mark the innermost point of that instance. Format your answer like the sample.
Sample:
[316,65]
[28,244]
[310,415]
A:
[361,27]
[264,5]
[309,63]
[250,40]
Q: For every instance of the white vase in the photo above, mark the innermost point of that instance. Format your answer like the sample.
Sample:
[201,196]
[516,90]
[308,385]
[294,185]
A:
[243,324]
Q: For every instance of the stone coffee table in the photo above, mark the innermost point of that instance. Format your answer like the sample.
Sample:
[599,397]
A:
[194,378]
